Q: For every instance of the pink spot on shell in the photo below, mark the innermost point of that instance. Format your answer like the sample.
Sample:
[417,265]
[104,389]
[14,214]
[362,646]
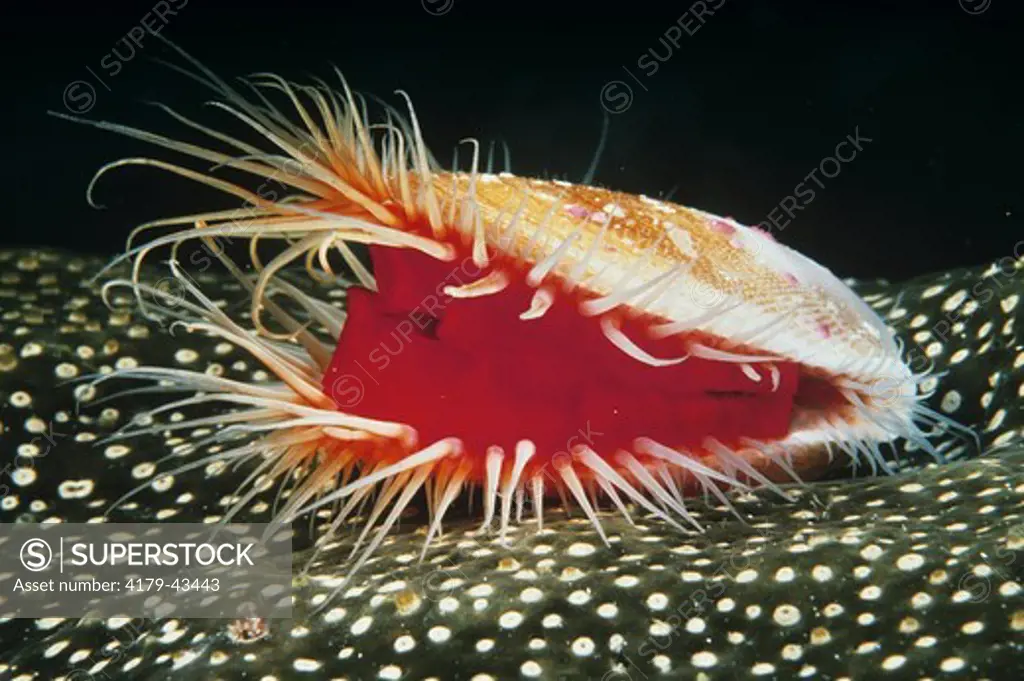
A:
[599,216]
[577,211]
[764,232]
[790,278]
[824,330]
[722,226]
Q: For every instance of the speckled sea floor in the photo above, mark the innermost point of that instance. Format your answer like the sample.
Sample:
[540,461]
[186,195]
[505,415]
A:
[911,576]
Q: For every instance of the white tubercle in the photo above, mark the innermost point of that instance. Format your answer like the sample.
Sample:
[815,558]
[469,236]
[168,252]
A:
[541,302]
[494,282]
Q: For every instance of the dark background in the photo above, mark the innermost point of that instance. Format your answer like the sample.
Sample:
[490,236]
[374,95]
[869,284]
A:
[739,113]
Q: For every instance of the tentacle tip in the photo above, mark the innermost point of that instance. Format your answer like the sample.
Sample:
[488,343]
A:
[408,436]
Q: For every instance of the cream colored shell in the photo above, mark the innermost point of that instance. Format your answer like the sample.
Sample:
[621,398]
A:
[736,282]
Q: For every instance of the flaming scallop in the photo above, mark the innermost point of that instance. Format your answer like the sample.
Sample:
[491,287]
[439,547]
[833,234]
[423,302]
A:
[517,337]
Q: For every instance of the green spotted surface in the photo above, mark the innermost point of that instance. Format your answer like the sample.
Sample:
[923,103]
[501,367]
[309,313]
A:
[911,576]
